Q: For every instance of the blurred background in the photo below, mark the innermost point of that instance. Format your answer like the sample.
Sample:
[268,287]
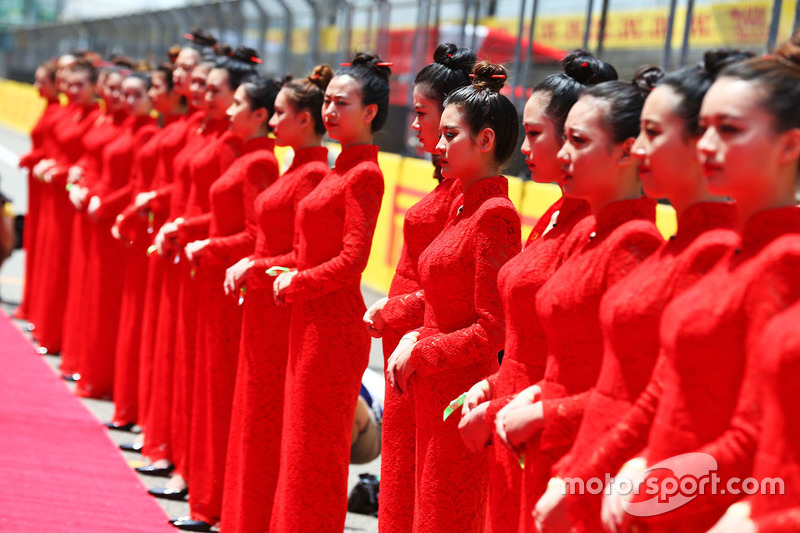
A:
[528,36]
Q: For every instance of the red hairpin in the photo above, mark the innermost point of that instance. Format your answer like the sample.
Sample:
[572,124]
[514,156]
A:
[315,77]
[449,55]
[584,64]
[499,76]
[385,64]
[345,64]
[188,36]
[255,59]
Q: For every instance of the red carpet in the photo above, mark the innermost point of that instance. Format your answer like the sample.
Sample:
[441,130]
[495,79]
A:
[59,471]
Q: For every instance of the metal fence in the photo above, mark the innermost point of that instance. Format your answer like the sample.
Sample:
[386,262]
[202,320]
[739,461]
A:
[293,35]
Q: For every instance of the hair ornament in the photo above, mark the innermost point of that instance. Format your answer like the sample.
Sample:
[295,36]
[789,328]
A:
[499,76]
[256,60]
[385,64]
[345,64]
[584,64]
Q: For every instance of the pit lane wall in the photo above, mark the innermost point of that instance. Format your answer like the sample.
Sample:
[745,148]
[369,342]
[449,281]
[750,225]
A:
[407,180]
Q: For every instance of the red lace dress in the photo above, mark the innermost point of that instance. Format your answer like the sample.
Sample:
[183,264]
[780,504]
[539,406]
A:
[422,223]
[623,234]
[778,452]
[55,231]
[138,232]
[709,344]
[630,314]
[551,242]
[73,347]
[207,166]
[458,345]
[254,444]
[41,148]
[107,259]
[157,443]
[329,347]
[170,144]
[232,235]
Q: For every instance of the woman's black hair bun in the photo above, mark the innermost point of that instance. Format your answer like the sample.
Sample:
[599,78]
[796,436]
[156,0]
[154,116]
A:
[646,78]
[455,58]
[716,60]
[583,67]
[374,63]
[201,37]
[488,75]
[246,55]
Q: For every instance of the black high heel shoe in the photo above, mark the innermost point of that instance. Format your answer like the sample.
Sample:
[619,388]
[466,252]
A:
[187,524]
[169,494]
[155,471]
[130,447]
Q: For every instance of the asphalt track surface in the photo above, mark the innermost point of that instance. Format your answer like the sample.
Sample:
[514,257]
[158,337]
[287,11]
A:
[14,185]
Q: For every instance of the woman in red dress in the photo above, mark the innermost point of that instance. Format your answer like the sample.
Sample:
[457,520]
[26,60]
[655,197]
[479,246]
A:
[202,130]
[254,444]
[206,166]
[83,175]
[155,203]
[462,331]
[41,147]
[550,243]
[777,444]
[136,227]
[329,348]
[107,257]
[630,312]
[54,235]
[707,384]
[231,234]
[598,166]
[389,318]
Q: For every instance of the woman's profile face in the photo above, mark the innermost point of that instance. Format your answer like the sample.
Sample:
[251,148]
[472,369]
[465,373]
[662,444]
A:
[589,155]
[44,83]
[286,122]
[426,122]
[219,95]
[667,153]
[198,86]
[459,154]
[112,92]
[80,89]
[740,151]
[542,140]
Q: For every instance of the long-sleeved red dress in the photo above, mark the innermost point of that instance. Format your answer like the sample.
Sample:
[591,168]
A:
[232,235]
[458,345]
[778,451]
[630,314]
[55,231]
[105,129]
[158,423]
[254,444]
[41,148]
[709,340]
[205,168]
[329,347]
[107,259]
[551,242]
[423,222]
[623,235]
[170,145]
[138,231]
